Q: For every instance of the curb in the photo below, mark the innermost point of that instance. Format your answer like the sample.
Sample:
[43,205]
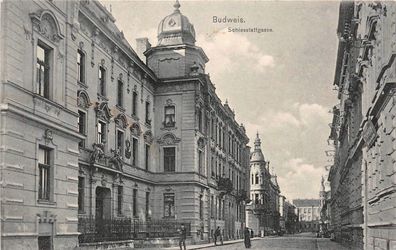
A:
[224,244]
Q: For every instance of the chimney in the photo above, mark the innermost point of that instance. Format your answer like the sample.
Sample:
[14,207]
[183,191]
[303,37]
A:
[142,44]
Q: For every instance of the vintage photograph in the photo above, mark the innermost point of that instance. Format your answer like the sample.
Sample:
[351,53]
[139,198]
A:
[194,124]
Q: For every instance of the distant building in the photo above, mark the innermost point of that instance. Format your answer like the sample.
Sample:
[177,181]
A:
[262,213]
[308,211]
[362,177]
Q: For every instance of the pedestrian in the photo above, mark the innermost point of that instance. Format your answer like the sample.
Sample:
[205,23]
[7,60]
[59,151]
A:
[183,235]
[246,236]
[217,233]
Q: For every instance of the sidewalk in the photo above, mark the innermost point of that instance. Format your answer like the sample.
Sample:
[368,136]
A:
[206,245]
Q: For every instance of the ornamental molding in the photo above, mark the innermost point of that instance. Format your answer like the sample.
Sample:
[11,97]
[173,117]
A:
[45,23]
[115,160]
[135,129]
[83,100]
[148,137]
[168,139]
[103,111]
[121,121]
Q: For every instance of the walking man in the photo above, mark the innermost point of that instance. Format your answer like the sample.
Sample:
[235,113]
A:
[183,235]
[246,235]
[217,233]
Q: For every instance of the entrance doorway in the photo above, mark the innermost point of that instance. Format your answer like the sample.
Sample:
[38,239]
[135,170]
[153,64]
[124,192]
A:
[102,203]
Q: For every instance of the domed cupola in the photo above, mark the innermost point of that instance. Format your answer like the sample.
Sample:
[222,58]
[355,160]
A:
[257,155]
[176,29]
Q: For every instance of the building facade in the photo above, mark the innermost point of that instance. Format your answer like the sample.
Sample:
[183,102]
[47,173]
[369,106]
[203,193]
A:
[362,177]
[92,134]
[263,212]
[308,211]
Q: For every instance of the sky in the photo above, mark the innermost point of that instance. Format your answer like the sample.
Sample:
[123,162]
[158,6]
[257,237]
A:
[279,83]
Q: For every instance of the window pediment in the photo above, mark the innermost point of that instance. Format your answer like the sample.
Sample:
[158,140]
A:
[103,111]
[83,100]
[45,23]
[168,139]
[135,129]
[121,121]
[148,137]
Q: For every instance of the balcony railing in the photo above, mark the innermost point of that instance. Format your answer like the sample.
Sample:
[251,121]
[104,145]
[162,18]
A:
[118,229]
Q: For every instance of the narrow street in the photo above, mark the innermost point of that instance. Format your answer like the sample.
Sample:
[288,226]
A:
[289,242]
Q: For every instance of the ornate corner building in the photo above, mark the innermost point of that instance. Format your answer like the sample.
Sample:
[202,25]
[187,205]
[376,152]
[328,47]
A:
[362,203]
[94,139]
[263,212]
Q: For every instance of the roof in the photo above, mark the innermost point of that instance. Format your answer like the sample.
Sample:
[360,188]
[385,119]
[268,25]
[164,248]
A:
[306,202]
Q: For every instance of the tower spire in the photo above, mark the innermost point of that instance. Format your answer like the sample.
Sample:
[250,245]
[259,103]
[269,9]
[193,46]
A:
[177,5]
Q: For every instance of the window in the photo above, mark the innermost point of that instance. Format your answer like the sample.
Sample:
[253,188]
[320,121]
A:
[200,120]
[43,71]
[211,207]
[147,156]
[200,162]
[102,81]
[81,126]
[134,103]
[44,243]
[201,207]
[256,198]
[212,167]
[169,205]
[119,199]
[257,178]
[120,94]
[81,193]
[101,132]
[134,151]
[169,159]
[147,204]
[44,160]
[169,116]
[148,121]
[80,66]
[134,203]
[120,142]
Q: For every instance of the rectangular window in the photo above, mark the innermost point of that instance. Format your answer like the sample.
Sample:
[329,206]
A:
[101,132]
[147,204]
[213,167]
[148,121]
[169,159]
[80,66]
[120,94]
[169,116]
[169,205]
[102,81]
[134,203]
[201,207]
[44,160]
[200,162]
[43,71]
[134,151]
[211,207]
[81,193]
[119,199]
[120,142]
[200,120]
[134,103]
[81,127]
[147,156]
[44,243]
